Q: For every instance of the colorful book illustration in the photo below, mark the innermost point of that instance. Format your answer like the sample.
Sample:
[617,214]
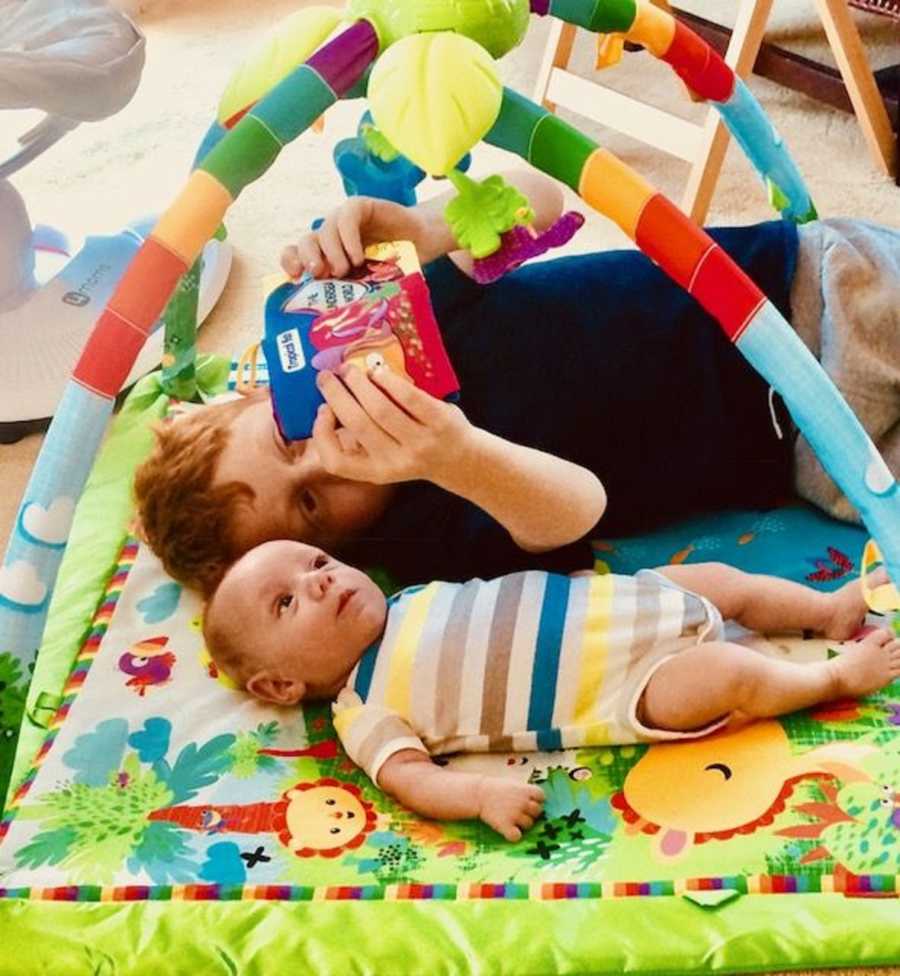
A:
[381,316]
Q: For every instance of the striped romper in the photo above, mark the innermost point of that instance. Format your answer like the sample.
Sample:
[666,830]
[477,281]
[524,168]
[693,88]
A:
[527,661]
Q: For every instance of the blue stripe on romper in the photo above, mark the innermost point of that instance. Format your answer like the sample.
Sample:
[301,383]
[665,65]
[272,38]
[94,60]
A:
[545,672]
[366,670]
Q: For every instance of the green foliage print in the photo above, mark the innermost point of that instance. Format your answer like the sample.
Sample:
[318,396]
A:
[91,830]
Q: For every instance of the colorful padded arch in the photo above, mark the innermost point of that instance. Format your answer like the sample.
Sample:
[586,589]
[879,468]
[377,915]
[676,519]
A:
[434,93]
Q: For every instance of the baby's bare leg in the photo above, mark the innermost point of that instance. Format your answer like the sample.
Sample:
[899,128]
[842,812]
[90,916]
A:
[767,603]
[699,685]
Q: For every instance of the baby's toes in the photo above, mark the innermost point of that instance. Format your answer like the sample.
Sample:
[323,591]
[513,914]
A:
[877,638]
[893,650]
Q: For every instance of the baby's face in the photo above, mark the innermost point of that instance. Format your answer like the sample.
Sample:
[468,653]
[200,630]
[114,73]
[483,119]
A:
[302,615]
[294,496]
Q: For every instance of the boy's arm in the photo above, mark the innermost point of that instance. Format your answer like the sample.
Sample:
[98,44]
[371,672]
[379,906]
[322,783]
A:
[400,433]
[339,243]
[444,794]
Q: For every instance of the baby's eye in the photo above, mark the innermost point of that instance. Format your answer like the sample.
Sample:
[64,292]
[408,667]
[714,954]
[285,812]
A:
[284,602]
[320,562]
[334,830]
[308,501]
[330,803]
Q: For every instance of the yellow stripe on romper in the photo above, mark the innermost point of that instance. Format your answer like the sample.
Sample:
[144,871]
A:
[399,677]
[594,649]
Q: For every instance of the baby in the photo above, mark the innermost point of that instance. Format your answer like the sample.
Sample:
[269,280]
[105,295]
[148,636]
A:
[527,661]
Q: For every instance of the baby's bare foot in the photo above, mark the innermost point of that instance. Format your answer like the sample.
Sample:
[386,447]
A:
[867,665]
[847,607]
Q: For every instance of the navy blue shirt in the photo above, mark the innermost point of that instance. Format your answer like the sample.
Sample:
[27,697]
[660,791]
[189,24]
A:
[604,360]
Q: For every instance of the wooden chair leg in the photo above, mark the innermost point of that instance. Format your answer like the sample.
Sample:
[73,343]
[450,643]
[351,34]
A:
[556,55]
[857,74]
[743,48]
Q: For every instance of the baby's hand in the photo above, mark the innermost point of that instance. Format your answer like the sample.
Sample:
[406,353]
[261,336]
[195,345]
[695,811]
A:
[509,807]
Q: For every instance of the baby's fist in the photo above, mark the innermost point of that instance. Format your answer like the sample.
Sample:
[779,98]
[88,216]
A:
[509,807]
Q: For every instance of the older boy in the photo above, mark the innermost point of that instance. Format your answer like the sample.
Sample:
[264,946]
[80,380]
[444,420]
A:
[599,359]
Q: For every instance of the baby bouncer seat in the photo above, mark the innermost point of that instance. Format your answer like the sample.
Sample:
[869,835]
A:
[76,61]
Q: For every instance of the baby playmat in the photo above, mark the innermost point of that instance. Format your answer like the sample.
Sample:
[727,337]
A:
[159,821]
[161,808]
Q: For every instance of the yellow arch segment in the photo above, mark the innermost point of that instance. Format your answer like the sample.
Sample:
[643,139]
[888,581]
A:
[652,27]
[193,217]
[615,189]
[296,39]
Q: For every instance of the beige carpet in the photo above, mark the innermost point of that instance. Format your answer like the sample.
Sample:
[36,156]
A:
[105,174]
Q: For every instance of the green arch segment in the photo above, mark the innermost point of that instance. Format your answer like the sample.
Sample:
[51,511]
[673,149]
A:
[602,16]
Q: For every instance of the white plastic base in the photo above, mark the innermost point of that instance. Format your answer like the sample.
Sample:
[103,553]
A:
[42,338]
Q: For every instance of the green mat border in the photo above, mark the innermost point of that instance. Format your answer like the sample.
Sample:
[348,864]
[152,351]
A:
[669,937]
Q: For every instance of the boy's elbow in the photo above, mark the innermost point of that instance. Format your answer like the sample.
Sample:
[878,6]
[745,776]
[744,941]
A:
[590,512]
[597,508]
[580,520]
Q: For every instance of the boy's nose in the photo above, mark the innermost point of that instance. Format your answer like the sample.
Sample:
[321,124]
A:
[298,449]
[307,461]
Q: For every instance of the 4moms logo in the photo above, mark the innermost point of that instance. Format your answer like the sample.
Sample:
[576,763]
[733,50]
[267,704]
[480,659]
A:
[81,296]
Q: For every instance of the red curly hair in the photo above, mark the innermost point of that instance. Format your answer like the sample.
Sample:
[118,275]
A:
[186,519]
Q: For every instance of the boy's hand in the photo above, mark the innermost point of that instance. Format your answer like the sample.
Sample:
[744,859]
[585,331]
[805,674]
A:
[509,807]
[339,244]
[390,430]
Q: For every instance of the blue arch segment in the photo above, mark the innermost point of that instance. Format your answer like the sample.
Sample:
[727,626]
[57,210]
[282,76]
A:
[764,147]
[847,453]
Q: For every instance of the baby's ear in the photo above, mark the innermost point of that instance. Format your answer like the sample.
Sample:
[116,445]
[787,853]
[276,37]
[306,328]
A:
[277,690]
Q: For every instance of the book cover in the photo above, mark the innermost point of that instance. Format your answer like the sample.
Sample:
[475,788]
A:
[380,316]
